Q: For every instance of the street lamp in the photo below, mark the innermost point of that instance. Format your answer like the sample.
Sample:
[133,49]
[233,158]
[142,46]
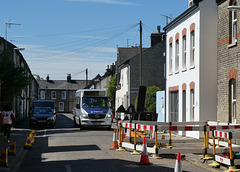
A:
[15,55]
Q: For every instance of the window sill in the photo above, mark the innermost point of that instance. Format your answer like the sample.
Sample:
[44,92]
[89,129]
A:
[192,67]
[232,44]
[170,74]
[184,69]
[177,71]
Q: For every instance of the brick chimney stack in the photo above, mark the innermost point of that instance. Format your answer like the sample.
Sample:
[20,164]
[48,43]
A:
[69,78]
[47,78]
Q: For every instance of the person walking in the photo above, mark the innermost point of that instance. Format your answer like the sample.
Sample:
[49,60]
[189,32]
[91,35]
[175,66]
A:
[7,119]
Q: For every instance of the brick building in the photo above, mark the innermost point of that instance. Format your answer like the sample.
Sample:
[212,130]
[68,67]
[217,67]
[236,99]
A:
[228,62]
[61,91]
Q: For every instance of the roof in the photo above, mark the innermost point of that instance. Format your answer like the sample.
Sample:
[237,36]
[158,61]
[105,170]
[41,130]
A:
[183,15]
[62,84]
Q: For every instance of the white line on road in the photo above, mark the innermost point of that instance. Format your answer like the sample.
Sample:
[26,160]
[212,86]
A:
[68,168]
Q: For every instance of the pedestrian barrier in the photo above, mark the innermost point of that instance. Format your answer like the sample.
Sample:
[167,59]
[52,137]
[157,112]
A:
[4,157]
[12,148]
[228,159]
[178,166]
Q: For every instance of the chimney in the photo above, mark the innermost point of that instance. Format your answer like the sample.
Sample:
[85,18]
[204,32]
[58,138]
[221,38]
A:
[156,37]
[47,78]
[68,77]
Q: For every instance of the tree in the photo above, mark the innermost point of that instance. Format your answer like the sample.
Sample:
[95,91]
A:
[14,79]
[150,99]
[111,90]
[38,77]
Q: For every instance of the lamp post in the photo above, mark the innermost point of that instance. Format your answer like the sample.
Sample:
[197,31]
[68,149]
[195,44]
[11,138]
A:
[15,54]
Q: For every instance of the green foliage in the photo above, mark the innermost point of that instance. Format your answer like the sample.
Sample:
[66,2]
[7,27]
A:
[38,77]
[13,78]
[111,90]
[150,99]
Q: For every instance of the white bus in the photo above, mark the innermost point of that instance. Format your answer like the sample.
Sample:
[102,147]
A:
[91,108]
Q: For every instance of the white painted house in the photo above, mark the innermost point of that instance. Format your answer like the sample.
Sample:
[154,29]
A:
[191,64]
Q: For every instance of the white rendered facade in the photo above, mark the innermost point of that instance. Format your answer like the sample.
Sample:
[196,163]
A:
[123,94]
[191,66]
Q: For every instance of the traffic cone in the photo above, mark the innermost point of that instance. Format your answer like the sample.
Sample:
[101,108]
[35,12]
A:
[163,138]
[4,157]
[114,142]
[12,148]
[28,144]
[178,167]
[144,155]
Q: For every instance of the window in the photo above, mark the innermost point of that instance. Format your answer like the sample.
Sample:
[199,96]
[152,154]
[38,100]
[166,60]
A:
[192,49]
[177,56]
[232,115]
[54,95]
[234,23]
[170,58]
[184,106]
[64,95]
[42,94]
[184,53]
[61,106]
[192,105]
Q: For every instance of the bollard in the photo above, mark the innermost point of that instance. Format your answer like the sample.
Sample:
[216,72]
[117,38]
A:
[120,140]
[215,163]
[156,155]
[135,152]
[170,137]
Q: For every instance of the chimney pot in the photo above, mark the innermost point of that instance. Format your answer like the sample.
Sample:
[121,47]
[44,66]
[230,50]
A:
[47,78]
[68,77]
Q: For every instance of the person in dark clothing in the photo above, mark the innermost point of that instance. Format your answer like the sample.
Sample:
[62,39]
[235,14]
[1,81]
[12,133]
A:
[7,120]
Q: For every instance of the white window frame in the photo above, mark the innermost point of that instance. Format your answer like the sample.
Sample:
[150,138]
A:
[42,95]
[190,3]
[234,26]
[192,105]
[170,58]
[64,95]
[192,50]
[184,53]
[53,94]
[177,56]
[233,101]
[61,108]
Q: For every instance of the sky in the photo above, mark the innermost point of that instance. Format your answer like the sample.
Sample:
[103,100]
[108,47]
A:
[63,37]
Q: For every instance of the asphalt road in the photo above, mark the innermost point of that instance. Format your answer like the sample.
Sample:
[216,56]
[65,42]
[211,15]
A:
[69,149]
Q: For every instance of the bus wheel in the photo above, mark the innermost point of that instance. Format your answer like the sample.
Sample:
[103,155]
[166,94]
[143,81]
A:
[74,120]
[80,126]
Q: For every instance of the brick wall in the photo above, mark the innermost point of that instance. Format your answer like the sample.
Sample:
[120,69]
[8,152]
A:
[228,59]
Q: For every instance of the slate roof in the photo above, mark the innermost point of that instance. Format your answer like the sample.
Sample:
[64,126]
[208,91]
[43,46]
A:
[62,84]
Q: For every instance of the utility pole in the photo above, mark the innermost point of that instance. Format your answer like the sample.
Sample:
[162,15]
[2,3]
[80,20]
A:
[86,77]
[140,53]
[8,24]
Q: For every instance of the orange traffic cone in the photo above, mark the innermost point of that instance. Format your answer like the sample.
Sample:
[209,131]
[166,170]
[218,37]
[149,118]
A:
[12,148]
[144,155]
[115,142]
[178,167]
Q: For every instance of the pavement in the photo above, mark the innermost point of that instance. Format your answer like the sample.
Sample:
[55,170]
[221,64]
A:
[191,149]
[19,134]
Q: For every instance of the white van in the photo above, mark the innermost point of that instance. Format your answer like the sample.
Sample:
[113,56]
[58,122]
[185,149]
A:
[91,108]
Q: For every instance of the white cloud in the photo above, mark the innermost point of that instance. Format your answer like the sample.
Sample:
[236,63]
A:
[106,2]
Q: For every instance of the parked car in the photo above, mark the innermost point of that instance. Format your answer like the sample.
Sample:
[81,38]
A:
[42,117]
